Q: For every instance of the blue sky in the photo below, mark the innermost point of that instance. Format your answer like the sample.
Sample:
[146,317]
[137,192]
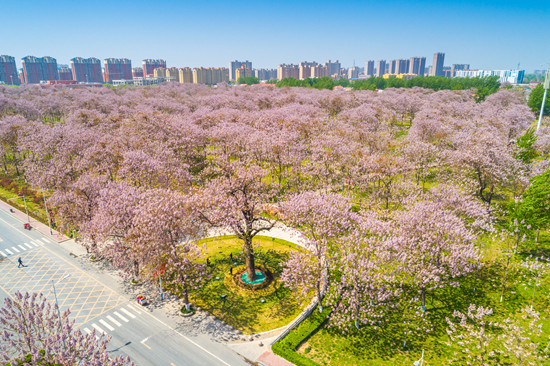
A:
[486,34]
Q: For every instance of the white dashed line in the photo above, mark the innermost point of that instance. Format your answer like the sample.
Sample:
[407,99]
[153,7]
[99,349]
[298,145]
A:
[98,328]
[36,245]
[3,255]
[134,308]
[39,243]
[106,324]
[128,313]
[22,247]
[28,246]
[9,252]
[121,317]
[113,320]
[14,248]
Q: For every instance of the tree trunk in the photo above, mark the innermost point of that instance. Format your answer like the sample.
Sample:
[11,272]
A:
[185,294]
[136,269]
[537,237]
[250,266]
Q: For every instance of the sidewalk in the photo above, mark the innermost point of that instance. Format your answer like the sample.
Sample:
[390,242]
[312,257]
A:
[36,225]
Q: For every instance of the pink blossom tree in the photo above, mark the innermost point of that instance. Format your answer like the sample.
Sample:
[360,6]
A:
[32,331]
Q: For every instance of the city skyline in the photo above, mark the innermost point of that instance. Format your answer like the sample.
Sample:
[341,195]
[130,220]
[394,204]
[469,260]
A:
[468,36]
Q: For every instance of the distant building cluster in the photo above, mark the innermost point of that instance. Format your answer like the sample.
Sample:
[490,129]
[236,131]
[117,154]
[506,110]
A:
[119,71]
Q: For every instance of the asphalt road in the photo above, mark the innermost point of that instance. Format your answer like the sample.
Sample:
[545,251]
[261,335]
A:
[149,335]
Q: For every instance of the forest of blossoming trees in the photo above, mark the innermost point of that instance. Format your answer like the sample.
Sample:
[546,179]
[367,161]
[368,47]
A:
[403,195]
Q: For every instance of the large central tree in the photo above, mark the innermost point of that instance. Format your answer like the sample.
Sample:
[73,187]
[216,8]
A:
[237,199]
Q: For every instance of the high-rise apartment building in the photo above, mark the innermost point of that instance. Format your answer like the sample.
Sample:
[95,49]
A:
[8,70]
[159,72]
[211,75]
[394,66]
[437,65]
[186,75]
[137,72]
[305,69]
[417,65]
[243,72]
[150,65]
[333,68]
[288,71]
[173,72]
[117,69]
[353,73]
[235,65]
[265,74]
[37,69]
[86,70]
[381,68]
[65,73]
[369,68]
[402,66]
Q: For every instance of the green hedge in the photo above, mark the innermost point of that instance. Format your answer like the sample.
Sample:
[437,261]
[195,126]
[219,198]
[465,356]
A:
[286,347]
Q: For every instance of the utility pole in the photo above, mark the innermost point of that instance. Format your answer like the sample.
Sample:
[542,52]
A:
[546,86]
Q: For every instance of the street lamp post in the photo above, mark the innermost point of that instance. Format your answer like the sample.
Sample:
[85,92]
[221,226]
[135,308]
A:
[47,212]
[546,86]
[26,209]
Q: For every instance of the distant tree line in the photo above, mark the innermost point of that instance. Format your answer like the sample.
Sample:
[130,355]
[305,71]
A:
[485,86]
[248,80]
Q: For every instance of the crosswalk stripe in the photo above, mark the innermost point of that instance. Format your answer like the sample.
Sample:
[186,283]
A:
[134,308]
[113,320]
[106,324]
[121,317]
[98,328]
[36,245]
[28,246]
[128,313]
[45,240]
[22,247]
[9,252]
[36,241]
[14,248]
[3,255]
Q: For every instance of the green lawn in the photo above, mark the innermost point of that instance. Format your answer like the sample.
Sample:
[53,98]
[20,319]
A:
[385,345]
[241,308]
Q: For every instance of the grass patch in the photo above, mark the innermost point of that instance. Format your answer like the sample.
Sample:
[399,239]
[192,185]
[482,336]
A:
[241,308]
[384,344]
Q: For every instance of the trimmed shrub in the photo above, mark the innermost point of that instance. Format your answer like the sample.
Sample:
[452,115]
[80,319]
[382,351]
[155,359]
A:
[286,347]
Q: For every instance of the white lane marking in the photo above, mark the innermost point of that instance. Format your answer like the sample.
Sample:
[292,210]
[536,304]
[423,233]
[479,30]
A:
[39,243]
[121,317]
[113,320]
[3,255]
[22,247]
[9,252]
[106,324]
[36,245]
[45,240]
[134,308]
[20,232]
[187,339]
[128,313]
[14,248]
[28,246]
[98,328]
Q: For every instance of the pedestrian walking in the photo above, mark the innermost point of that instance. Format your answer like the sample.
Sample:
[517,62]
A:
[20,263]
[231,256]
[208,261]
[231,271]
